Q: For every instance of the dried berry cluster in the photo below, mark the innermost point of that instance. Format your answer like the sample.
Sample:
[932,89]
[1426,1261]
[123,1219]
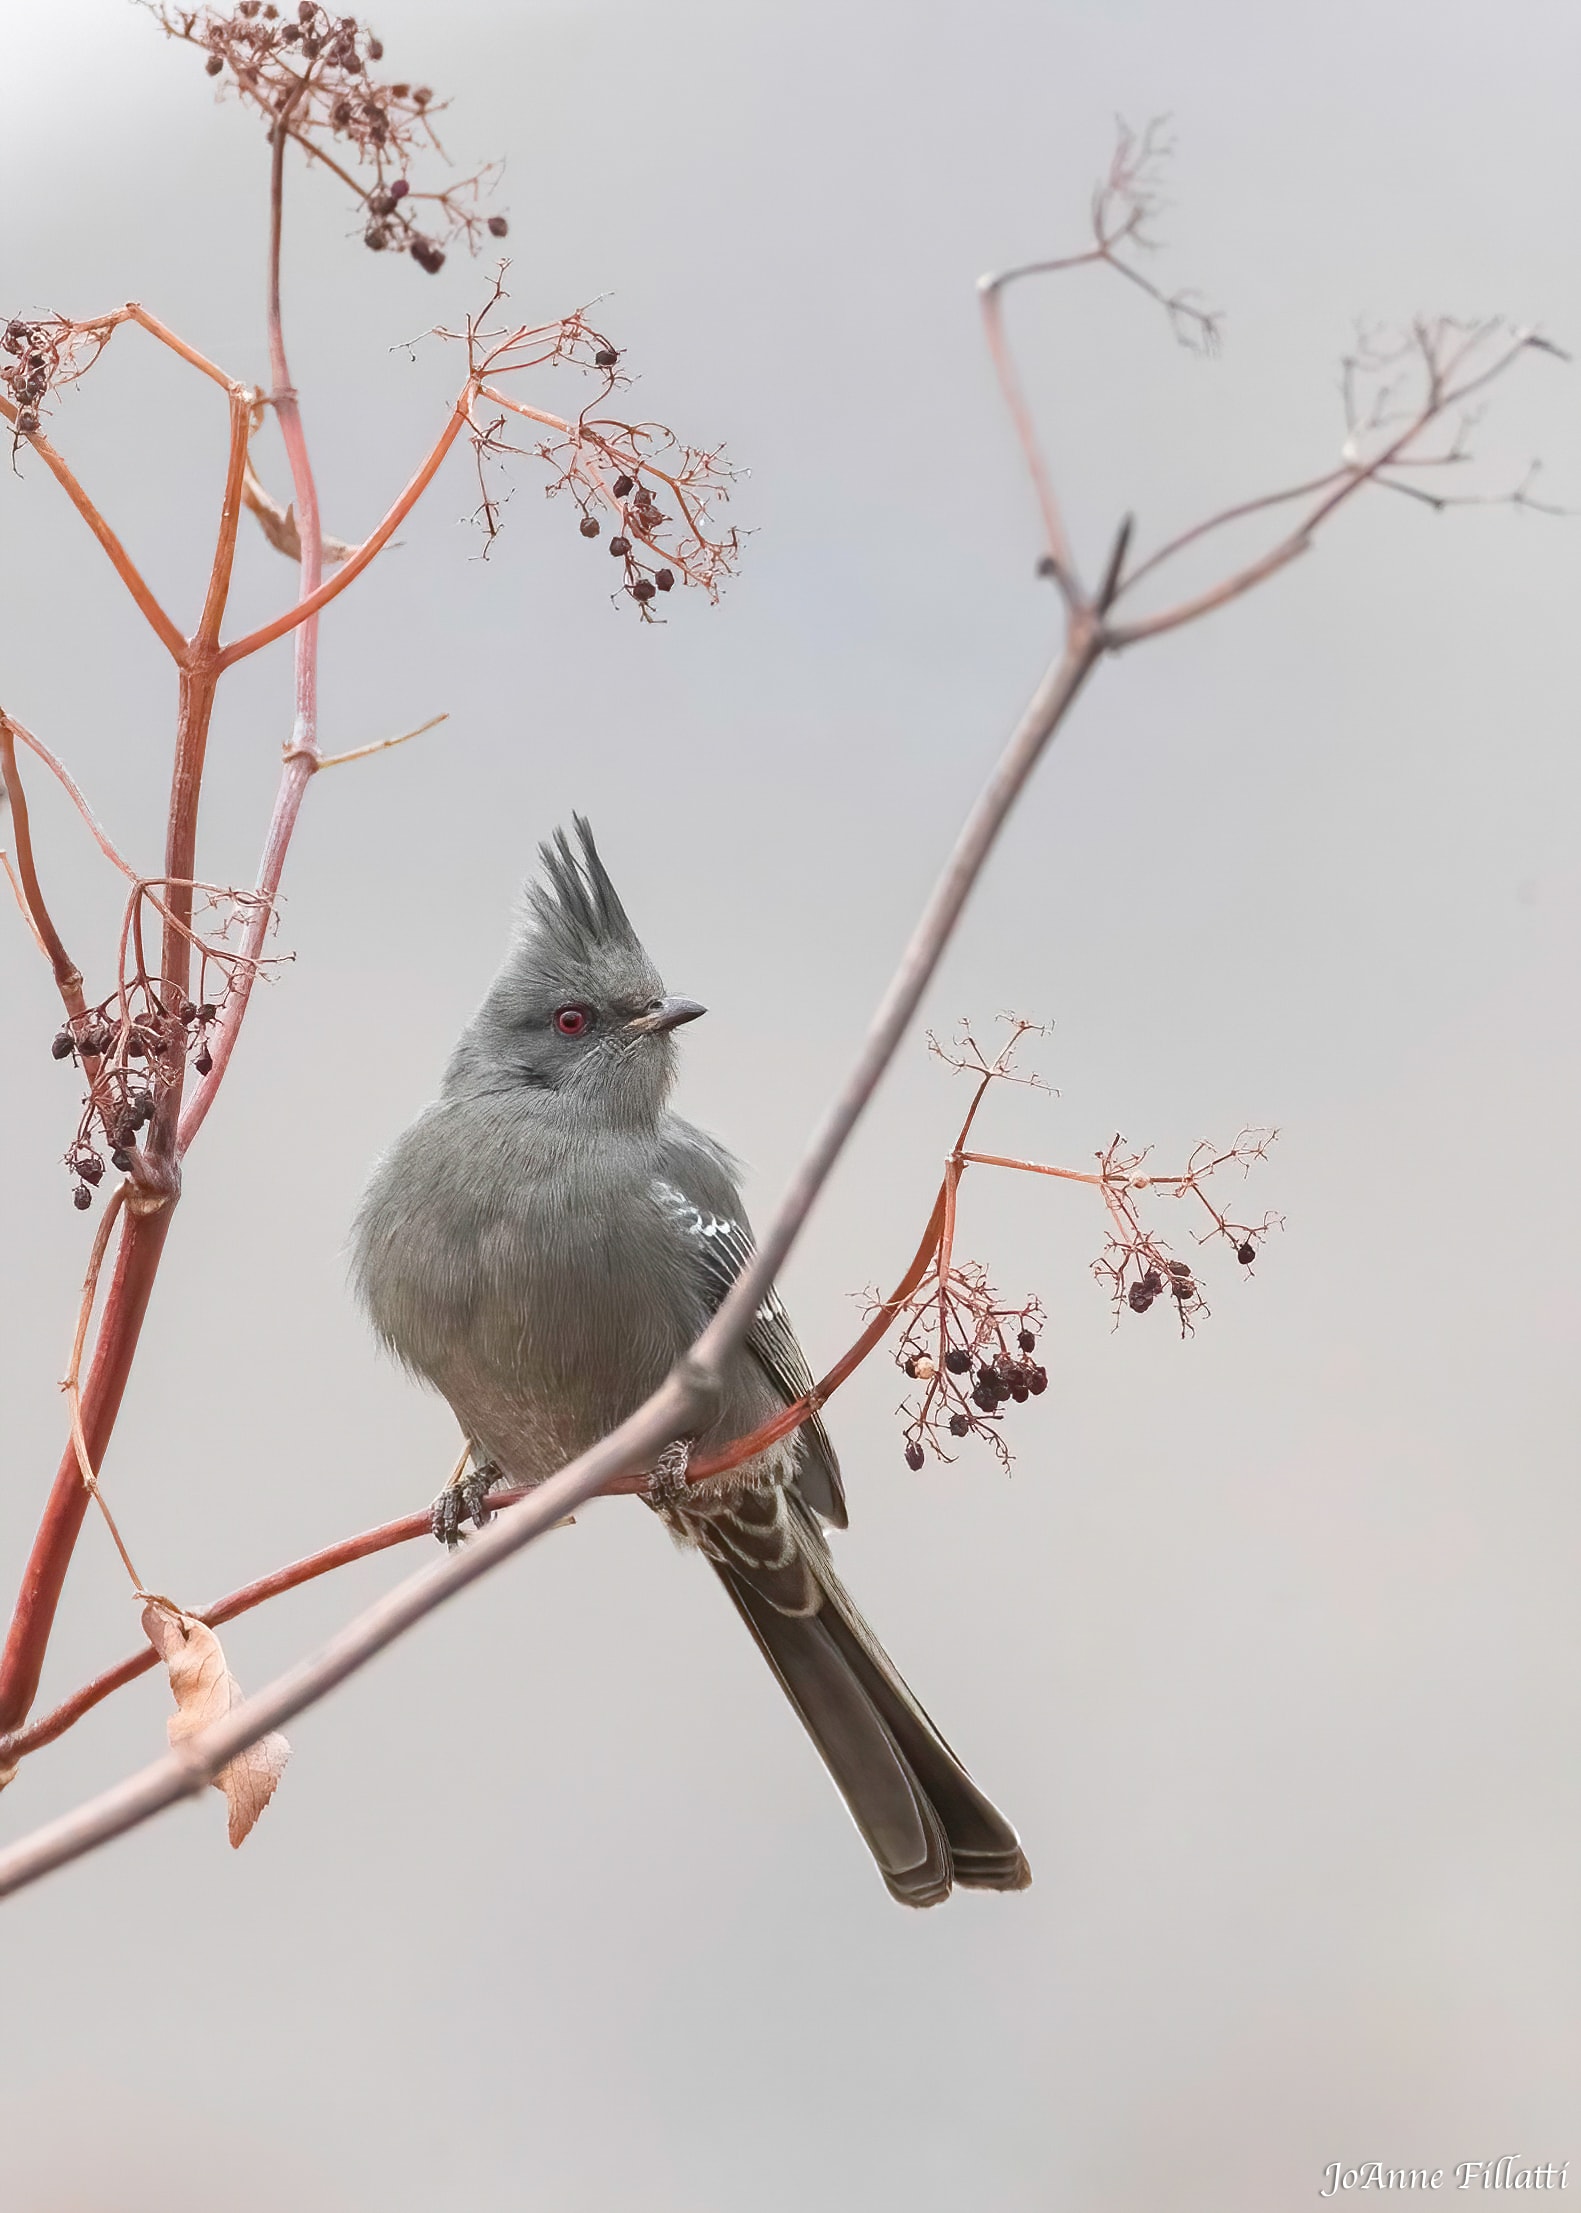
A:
[640,518]
[309,72]
[973,1356]
[609,467]
[38,356]
[130,1060]
[1176,1278]
[28,372]
[1135,1264]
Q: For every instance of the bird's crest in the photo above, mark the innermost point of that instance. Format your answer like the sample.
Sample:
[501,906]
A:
[576,908]
[578,937]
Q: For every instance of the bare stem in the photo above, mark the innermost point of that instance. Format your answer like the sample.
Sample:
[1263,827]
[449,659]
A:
[371,547]
[125,567]
[68,976]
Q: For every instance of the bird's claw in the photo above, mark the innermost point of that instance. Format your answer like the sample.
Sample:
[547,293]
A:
[667,1484]
[465,1498]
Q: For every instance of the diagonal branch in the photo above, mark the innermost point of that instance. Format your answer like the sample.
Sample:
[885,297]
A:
[372,545]
[68,976]
[125,567]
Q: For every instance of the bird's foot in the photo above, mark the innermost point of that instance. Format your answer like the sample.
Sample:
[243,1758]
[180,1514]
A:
[465,1498]
[667,1484]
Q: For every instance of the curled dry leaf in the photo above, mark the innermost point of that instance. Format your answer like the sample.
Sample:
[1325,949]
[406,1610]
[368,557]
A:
[205,1691]
[278,524]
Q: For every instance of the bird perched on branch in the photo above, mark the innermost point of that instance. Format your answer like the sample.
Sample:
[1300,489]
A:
[542,1245]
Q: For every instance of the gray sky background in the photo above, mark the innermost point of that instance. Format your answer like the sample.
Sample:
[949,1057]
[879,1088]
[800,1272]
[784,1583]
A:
[1271,1646]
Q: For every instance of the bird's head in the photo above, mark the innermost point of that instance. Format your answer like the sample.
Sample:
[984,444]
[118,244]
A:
[578,1009]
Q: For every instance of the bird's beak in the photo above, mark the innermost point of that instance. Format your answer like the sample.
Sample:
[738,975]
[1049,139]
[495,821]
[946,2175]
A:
[669,1014]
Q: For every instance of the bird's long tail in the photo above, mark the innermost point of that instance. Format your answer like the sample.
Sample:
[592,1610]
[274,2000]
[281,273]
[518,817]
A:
[922,1817]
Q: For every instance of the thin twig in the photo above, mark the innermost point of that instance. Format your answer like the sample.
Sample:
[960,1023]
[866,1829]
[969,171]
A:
[381,745]
[125,567]
[68,976]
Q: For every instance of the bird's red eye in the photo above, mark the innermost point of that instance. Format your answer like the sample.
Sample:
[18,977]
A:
[573,1020]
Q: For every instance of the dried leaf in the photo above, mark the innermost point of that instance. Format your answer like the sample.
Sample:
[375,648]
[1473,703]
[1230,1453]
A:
[278,524]
[205,1691]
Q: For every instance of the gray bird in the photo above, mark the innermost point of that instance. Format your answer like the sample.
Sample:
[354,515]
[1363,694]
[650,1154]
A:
[545,1241]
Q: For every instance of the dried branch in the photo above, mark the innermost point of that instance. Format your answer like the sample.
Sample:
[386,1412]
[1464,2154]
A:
[68,976]
[1124,205]
[310,75]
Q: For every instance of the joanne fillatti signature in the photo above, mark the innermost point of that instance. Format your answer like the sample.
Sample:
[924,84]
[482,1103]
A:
[1509,2173]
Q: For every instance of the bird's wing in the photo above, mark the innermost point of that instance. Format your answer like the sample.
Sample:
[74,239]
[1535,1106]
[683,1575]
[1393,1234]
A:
[721,1245]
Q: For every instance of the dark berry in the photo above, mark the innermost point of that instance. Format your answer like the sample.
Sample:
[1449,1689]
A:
[207,1011]
[622,487]
[143,1111]
[203,1061]
[427,256]
[1027,1341]
[189,1012]
[665,579]
[1019,1392]
[27,422]
[81,1197]
[642,589]
[619,546]
[914,1457]
[121,1158]
[1139,1298]
[1178,1267]
[1038,1382]
[908,1366]
[1152,1283]
[986,1397]
[1183,1287]
[375,49]
[214,64]
[398,190]
[605,358]
[376,237]
[957,1360]
[61,1047]
[498,226]
[1246,1253]
[305,11]
[89,1166]
[959,1425]
[422,96]
[1004,1368]
[588,526]
[379,203]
